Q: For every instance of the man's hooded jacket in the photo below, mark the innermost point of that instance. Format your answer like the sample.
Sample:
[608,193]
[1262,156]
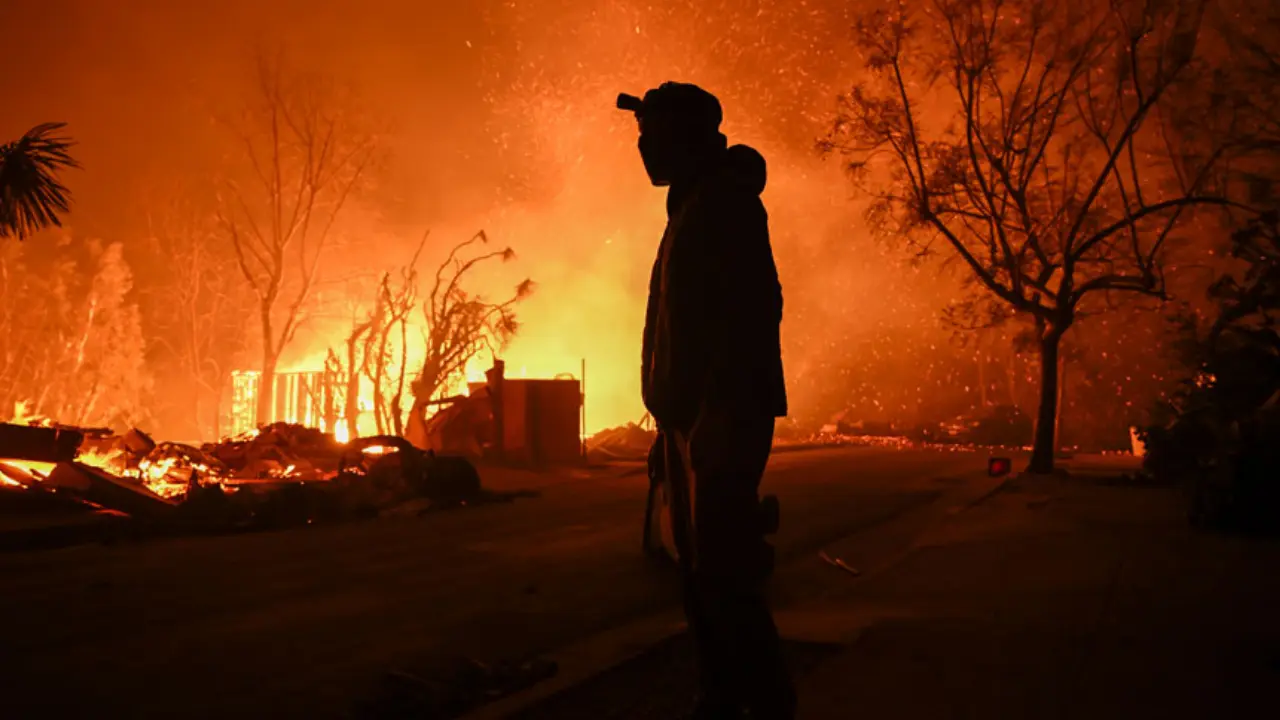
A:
[711,336]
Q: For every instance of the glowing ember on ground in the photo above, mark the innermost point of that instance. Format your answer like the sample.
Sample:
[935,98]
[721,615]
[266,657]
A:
[39,470]
[110,461]
[29,469]
[160,477]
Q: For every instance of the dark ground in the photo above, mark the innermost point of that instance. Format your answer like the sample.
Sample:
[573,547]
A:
[301,623]
[1050,599]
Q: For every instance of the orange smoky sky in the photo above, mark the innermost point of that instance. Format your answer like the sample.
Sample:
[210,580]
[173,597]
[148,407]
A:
[499,115]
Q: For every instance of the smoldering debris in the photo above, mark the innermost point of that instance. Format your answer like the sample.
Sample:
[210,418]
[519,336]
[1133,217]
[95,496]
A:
[626,442]
[283,475]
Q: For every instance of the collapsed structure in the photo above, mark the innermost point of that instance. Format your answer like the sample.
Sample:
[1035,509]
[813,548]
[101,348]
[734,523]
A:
[508,421]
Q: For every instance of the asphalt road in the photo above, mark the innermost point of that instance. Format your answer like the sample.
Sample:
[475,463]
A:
[299,623]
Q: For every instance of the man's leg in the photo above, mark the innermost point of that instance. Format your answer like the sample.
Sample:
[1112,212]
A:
[739,649]
[715,697]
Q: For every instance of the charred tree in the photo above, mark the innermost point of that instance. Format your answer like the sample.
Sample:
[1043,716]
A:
[1026,139]
[385,346]
[460,324]
[306,157]
[349,371]
[376,350]
[196,307]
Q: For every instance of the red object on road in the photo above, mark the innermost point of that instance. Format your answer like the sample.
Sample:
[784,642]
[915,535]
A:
[999,467]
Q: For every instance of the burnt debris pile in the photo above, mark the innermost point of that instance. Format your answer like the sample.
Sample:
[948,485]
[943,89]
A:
[281,475]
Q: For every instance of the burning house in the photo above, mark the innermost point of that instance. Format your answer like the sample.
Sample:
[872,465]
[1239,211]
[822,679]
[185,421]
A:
[297,466]
[310,398]
[525,421]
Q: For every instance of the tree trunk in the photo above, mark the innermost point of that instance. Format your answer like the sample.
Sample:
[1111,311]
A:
[351,399]
[1062,393]
[398,414]
[266,391]
[1042,450]
[267,381]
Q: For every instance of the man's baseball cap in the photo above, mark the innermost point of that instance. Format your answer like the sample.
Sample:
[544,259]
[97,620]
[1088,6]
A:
[688,103]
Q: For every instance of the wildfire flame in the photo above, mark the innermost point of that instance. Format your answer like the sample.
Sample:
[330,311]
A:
[166,478]
[108,461]
[23,415]
[38,470]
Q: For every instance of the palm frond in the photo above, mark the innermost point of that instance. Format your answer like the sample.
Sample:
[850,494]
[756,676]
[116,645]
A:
[31,195]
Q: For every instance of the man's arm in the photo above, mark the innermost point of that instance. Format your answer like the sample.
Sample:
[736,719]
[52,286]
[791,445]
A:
[650,327]
[722,291]
[689,308]
[743,298]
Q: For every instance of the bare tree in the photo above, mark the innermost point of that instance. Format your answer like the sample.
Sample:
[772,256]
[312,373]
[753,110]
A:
[461,324]
[386,352]
[346,369]
[376,349]
[1054,183]
[306,157]
[197,305]
[458,325]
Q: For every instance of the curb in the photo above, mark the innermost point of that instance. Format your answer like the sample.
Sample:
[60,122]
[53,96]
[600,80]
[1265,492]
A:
[587,659]
[1004,483]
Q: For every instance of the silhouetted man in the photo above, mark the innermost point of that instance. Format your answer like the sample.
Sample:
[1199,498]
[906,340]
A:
[712,379]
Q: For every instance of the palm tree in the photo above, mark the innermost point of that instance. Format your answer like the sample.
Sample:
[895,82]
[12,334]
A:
[31,196]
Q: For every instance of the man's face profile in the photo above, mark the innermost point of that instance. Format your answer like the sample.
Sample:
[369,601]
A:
[657,148]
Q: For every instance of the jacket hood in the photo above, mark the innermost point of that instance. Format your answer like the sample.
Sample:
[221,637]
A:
[746,167]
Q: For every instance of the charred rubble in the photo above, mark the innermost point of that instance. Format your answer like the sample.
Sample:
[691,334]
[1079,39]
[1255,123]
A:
[279,476]
[286,474]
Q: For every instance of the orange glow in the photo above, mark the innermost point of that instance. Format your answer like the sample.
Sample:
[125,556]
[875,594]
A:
[513,131]
[341,432]
[38,470]
[98,459]
[157,478]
